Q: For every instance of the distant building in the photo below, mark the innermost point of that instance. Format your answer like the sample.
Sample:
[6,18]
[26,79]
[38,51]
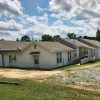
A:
[85,52]
[93,43]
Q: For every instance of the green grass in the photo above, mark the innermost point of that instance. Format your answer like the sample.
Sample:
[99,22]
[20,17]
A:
[33,90]
[91,64]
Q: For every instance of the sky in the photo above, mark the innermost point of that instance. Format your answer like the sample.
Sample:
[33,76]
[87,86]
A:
[53,17]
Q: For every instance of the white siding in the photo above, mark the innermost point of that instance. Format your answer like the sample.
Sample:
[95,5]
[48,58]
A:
[97,53]
[47,60]
[77,52]
[24,60]
[0,60]
[85,60]
[64,59]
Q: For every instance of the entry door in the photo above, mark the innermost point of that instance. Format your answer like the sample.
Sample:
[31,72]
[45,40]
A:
[10,60]
[36,61]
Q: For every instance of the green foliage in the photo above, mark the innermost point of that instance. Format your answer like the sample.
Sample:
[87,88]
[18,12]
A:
[98,35]
[25,38]
[50,38]
[80,37]
[32,90]
[56,37]
[47,38]
[71,35]
[87,37]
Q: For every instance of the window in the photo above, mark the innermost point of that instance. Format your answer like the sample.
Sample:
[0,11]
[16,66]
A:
[34,46]
[69,56]
[75,54]
[57,54]
[85,51]
[59,57]
[36,59]
[80,52]
[10,59]
[14,58]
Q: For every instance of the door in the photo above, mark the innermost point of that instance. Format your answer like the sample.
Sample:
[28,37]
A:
[10,60]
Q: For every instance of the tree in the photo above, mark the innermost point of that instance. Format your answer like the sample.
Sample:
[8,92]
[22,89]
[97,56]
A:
[98,35]
[56,37]
[88,37]
[17,39]
[25,38]
[80,37]
[71,35]
[47,38]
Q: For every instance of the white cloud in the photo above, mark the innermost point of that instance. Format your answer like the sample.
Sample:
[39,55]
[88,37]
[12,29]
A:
[10,26]
[34,19]
[40,9]
[84,13]
[10,8]
[74,8]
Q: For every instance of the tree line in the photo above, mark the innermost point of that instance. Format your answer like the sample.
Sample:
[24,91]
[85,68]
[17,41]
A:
[46,37]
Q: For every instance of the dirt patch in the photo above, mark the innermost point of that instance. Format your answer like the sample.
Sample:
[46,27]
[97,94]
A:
[88,79]
[23,74]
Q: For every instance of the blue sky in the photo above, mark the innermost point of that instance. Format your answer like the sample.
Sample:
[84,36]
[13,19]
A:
[30,6]
[53,17]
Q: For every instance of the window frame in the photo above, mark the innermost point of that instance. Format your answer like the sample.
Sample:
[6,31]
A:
[10,59]
[36,59]
[59,57]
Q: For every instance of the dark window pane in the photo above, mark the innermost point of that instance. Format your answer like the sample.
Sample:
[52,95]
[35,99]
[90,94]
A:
[36,62]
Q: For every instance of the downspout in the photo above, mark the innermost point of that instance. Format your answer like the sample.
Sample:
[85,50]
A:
[2,59]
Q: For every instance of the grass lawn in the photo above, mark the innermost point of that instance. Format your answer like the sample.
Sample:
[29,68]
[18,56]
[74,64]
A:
[91,64]
[32,90]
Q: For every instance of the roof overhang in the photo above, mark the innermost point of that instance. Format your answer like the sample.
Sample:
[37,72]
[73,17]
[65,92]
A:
[34,53]
[9,50]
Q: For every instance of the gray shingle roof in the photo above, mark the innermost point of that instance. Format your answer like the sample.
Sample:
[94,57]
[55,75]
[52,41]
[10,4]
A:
[94,42]
[16,45]
[54,46]
[12,45]
[76,42]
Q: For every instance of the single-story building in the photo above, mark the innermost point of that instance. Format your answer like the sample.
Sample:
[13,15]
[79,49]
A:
[85,52]
[93,43]
[37,54]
